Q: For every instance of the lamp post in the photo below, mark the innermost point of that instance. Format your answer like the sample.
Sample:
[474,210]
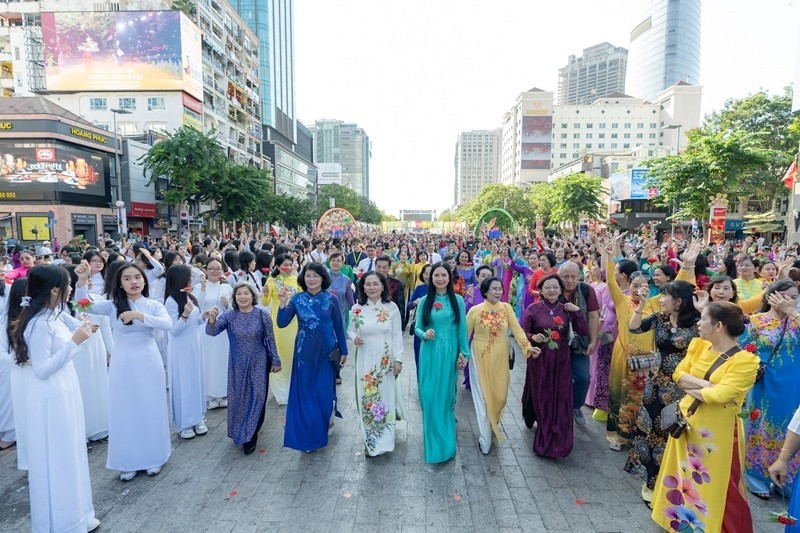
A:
[677,152]
[118,170]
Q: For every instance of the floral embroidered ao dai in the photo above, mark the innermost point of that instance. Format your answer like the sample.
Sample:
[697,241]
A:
[377,396]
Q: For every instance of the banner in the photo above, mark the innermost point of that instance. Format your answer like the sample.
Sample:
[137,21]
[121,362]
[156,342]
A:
[719,211]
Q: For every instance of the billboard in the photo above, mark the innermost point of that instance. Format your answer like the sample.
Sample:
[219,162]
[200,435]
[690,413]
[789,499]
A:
[31,171]
[631,184]
[329,173]
[122,51]
[537,138]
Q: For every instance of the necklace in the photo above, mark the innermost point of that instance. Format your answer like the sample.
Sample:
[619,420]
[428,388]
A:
[558,304]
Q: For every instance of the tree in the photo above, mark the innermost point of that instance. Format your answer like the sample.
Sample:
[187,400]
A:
[448,215]
[575,196]
[542,200]
[368,212]
[188,7]
[386,217]
[239,190]
[190,160]
[295,212]
[508,197]
[345,198]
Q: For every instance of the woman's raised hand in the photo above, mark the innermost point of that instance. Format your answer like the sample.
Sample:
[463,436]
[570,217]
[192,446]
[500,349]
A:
[82,333]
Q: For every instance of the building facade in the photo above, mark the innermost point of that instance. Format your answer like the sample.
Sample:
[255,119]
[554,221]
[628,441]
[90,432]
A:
[664,47]
[600,71]
[349,145]
[526,153]
[477,163]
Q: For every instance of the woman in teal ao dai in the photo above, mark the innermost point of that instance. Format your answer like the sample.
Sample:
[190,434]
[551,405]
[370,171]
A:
[441,326]
[776,337]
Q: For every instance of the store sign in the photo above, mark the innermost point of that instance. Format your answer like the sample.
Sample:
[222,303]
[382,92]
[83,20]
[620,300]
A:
[192,103]
[109,220]
[78,218]
[46,155]
[717,223]
[145,210]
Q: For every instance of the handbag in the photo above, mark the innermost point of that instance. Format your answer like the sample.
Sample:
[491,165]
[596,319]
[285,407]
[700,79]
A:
[641,362]
[605,337]
[412,320]
[512,355]
[762,366]
[672,419]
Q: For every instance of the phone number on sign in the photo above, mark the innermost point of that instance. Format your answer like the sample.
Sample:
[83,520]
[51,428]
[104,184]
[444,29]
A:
[8,195]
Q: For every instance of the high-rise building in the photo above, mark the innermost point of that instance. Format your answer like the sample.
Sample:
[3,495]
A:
[285,141]
[527,127]
[664,47]
[477,163]
[600,71]
[348,144]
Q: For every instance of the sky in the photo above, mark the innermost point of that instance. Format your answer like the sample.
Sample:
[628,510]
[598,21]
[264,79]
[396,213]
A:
[414,74]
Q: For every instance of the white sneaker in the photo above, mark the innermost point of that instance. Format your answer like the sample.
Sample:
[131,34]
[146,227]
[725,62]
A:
[92,524]
[187,433]
[200,429]
[127,476]
[223,402]
[212,404]
[485,447]
[153,471]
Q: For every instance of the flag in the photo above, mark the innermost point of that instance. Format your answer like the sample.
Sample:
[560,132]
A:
[791,174]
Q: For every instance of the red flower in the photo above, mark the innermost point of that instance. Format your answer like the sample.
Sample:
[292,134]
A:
[652,260]
[229,273]
[187,289]
[357,311]
[360,272]
[240,274]
[558,321]
[83,302]
[754,414]
[555,335]
[750,348]
[265,270]
[437,305]
[285,268]
[223,279]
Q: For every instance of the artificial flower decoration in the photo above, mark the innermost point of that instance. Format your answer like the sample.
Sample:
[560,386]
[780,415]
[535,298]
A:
[187,289]
[83,305]
[437,305]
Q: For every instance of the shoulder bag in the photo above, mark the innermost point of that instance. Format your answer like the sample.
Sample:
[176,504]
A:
[672,420]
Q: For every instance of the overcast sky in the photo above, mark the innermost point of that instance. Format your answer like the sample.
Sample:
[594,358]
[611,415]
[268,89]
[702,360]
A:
[414,74]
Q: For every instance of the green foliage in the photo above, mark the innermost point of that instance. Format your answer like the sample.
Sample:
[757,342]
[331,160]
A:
[575,196]
[542,201]
[386,217]
[345,198]
[368,211]
[508,197]
[742,150]
[294,212]
[448,215]
[187,6]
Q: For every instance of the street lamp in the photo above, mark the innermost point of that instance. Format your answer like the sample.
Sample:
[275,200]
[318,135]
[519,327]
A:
[117,168]
[677,152]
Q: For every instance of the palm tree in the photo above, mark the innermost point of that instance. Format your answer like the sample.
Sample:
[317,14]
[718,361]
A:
[187,6]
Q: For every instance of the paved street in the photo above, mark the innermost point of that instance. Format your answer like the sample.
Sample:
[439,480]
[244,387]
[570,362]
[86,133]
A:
[209,485]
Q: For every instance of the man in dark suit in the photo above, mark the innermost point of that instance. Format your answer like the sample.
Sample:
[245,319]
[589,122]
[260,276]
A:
[396,289]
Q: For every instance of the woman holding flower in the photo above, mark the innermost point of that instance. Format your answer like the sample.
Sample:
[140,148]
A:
[218,292]
[489,323]
[376,330]
[441,324]
[547,396]
[282,280]
[775,334]
[700,485]
[780,470]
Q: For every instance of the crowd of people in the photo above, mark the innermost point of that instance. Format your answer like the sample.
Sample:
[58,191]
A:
[687,353]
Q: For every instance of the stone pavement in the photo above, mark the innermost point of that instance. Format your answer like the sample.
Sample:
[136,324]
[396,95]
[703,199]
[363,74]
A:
[210,485]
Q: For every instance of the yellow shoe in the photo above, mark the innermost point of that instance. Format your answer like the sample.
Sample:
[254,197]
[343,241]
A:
[600,415]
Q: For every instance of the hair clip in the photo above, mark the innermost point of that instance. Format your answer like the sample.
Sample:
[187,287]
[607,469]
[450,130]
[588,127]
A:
[25,301]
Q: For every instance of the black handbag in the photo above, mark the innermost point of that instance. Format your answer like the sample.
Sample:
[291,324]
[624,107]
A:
[512,355]
[762,366]
[672,419]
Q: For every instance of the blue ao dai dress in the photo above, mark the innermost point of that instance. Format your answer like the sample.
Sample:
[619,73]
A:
[438,375]
[312,392]
[253,352]
[58,469]
[377,398]
[186,373]
[138,426]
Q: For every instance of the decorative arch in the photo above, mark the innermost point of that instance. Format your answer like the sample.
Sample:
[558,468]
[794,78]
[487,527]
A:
[337,222]
[493,213]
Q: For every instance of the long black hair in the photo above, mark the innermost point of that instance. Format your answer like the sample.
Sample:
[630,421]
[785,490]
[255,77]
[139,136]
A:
[231,260]
[245,258]
[179,277]
[362,295]
[42,280]
[111,271]
[88,256]
[168,259]
[15,294]
[118,294]
[429,299]
[279,261]
[688,315]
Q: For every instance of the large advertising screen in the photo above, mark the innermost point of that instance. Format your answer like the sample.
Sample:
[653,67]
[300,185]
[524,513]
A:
[537,133]
[631,184]
[122,51]
[39,171]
